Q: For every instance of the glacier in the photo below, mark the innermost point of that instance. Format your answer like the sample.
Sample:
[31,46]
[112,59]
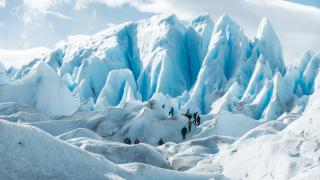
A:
[194,65]
[69,110]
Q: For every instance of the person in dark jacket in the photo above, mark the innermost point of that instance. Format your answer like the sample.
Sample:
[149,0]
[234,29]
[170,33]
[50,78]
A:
[160,142]
[171,112]
[136,141]
[189,123]
[195,117]
[127,140]
[188,112]
[198,119]
[184,132]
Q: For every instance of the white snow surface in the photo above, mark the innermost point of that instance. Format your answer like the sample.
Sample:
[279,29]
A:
[66,114]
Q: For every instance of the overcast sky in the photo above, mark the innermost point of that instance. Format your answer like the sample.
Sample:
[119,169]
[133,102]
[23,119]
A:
[26,24]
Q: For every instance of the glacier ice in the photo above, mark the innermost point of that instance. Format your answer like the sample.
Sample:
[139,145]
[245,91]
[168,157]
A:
[119,88]
[42,89]
[81,99]
[195,65]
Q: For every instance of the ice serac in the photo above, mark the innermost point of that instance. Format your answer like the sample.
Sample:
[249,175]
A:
[262,73]
[119,88]
[262,100]
[206,67]
[308,124]
[25,69]
[162,50]
[198,36]
[270,47]
[11,71]
[229,100]
[55,58]
[85,66]
[226,54]
[258,91]
[153,50]
[42,89]
[238,75]
[283,97]
[270,97]
[310,73]
[203,25]
[304,60]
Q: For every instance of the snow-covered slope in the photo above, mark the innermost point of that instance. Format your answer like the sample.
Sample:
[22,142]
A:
[280,156]
[30,153]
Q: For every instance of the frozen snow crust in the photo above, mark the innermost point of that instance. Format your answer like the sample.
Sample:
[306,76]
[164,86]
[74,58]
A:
[65,115]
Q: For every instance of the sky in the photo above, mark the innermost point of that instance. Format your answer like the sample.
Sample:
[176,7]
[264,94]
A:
[29,28]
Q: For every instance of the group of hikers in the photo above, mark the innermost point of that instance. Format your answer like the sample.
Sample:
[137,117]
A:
[184,131]
[127,140]
[196,122]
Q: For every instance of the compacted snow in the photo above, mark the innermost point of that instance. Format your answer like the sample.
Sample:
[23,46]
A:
[65,115]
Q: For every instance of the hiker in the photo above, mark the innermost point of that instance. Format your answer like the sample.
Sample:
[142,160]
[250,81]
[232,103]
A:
[194,118]
[163,106]
[127,140]
[160,142]
[184,132]
[136,141]
[188,112]
[171,112]
[189,123]
[198,119]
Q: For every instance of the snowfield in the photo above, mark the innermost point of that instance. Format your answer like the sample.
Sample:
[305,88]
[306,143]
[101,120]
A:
[65,115]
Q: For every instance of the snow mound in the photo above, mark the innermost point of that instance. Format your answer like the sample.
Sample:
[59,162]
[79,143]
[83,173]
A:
[185,155]
[30,153]
[80,133]
[120,153]
[25,117]
[8,108]
[226,124]
[279,156]
[43,90]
